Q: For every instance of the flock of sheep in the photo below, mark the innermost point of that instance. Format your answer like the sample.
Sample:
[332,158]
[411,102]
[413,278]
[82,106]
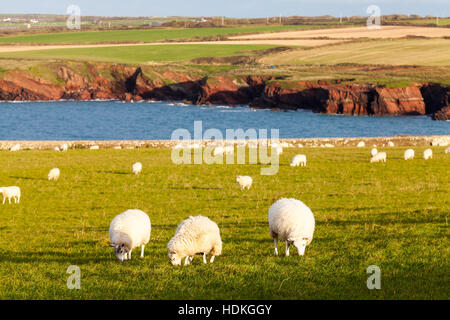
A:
[290,220]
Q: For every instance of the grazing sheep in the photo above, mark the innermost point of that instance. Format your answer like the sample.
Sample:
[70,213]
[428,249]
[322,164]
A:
[15,148]
[244,182]
[54,174]
[428,154]
[361,144]
[391,144]
[298,160]
[409,154]
[447,150]
[379,157]
[64,147]
[195,236]
[137,168]
[10,193]
[56,149]
[373,152]
[94,148]
[292,221]
[129,230]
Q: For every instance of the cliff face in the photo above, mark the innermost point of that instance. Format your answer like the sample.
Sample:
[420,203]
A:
[105,81]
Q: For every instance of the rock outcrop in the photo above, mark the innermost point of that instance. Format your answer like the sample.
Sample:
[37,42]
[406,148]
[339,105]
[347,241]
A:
[110,81]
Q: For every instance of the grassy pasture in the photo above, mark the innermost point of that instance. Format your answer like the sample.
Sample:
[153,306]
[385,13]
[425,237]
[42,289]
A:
[426,52]
[392,215]
[127,36]
[141,54]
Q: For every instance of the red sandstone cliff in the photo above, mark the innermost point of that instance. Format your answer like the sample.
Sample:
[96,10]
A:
[104,81]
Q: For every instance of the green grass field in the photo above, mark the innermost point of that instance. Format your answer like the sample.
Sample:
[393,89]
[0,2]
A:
[141,54]
[392,215]
[428,52]
[117,36]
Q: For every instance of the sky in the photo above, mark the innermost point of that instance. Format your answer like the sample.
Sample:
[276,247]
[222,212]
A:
[228,8]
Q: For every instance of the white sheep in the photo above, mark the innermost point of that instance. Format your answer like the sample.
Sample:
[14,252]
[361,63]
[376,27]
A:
[195,236]
[64,147]
[379,157]
[56,149]
[391,144]
[447,150]
[54,174]
[428,154]
[409,154]
[15,148]
[94,148]
[137,168]
[129,230]
[292,221]
[244,182]
[373,152]
[298,160]
[361,144]
[279,150]
[10,193]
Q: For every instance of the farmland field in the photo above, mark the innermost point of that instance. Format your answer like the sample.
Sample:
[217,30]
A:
[140,54]
[130,36]
[391,215]
[427,52]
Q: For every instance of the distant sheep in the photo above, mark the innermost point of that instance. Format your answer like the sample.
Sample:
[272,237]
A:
[361,144]
[409,154]
[137,168]
[10,193]
[428,154]
[195,236]
[64,147]
[54,174]
[15,148]
[447,150]
[292,221]
[298,160]
[379,157]
[245,182]
[391,144]
[129,230]
[373,152]
[94,148]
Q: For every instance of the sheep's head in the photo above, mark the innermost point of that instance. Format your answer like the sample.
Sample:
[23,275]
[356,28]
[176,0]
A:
[121,251]
[238,179]
[300,244]
[175,259]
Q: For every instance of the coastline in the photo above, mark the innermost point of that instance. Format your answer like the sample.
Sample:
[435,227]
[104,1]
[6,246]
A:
[403,140]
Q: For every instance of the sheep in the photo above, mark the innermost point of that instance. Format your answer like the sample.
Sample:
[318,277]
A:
[218,151]
[447,150]
[129,230]
[94,148]
[428,154]
[292,221]
[409,154]
[379,157]
[373,152]
[137,168]
[64,147]
[361,144]
[391,144]
[195,236]
[10,193]
[56,149]
[53,174]
[15,148]
[298,160]
[244,182]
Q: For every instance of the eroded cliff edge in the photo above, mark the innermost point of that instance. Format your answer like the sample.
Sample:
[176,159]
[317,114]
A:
[72,81]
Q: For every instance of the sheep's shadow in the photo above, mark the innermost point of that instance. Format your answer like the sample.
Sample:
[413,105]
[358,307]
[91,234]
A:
[27,178]
[116,172]
[50,256]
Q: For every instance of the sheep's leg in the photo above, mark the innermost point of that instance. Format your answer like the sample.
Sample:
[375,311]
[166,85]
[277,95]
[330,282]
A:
[9,200]
[129,255]
[142,251]
[187,261]
[4,199]
[212,259]
[204,258]
[276,245]
[287,248]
